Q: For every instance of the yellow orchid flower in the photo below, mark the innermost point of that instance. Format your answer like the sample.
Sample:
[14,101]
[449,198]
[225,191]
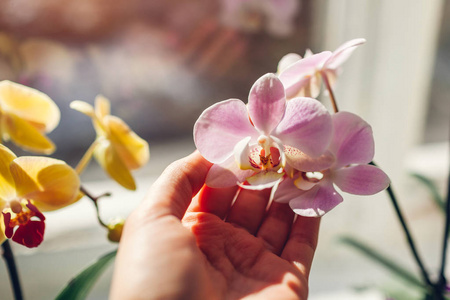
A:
[26,115]
[117,148]
[29,185]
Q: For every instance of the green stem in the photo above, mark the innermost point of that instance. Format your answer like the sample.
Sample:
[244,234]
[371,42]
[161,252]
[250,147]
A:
[95,201]
[442,280]
[409,238]
[8,255]
[407,233]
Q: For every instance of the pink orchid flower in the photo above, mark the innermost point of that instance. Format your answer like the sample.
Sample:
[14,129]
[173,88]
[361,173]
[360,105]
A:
[312,193]
[303,76]
[246,142]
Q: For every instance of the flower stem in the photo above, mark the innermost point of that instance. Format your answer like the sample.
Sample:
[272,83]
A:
[95,201]
[330,91]
[409,238]
[8,255]
[407,232]
[442,280]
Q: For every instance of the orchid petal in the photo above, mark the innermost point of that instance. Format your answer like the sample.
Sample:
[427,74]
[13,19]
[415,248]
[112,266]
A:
[220,127]
[31,234]
[308,53]
[267,103]
[331,77]
[306,126]
[286,191]
[287,60]
[352,142]
[311,88]
[342,53]
[297,75]
[133,150]
[316,202]
[25,135]
[97,114]
[305,163]
[29,104]
[102,106]
[9,231]
[303,184]
[83,107]
[361,179]
[112,163]
[226,174]
[7,185]
[262,180]
[49,182]
[278,145]
[242,154]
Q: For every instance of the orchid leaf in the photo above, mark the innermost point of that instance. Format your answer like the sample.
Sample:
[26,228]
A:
[432,188]
[383,260]
[79,287]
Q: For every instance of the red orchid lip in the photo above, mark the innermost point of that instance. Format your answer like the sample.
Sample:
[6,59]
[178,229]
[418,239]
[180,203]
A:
[29,232]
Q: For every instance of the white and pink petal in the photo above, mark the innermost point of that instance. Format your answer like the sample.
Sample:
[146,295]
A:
[242,154]
[226,174]
[361,179]
[306,126]
[286,191]
[352,141]
[296,76]
[220,127]
[267,103]
[287,60]
[303,162]
[317,201]
[262,180]
[342,53]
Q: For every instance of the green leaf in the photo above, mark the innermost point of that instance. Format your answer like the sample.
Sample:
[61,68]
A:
[402,290]
[432,188]
[80,285]
[385,261]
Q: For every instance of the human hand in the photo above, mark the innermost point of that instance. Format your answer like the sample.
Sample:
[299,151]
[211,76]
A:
[178,247]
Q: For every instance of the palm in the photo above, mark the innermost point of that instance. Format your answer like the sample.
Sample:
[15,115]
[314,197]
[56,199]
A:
[240,265]
[225,247]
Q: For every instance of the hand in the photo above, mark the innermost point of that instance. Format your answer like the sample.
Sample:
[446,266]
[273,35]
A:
[178,247]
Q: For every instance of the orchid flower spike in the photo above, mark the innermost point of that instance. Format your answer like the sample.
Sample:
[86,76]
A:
[29,185]
[303,76]
[25,116]
[246,142]
[310,189]
[117,148]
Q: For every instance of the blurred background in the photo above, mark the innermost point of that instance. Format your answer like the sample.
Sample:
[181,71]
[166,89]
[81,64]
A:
[162,62]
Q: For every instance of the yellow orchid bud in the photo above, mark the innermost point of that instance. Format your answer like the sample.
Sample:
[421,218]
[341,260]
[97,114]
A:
[115,228]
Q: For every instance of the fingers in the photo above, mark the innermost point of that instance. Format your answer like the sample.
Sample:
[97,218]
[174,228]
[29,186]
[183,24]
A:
[249,209]
[276,227]
[302,243]
[172,192]
[214,201]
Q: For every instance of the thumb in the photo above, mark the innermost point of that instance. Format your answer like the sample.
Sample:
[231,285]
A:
[172,192]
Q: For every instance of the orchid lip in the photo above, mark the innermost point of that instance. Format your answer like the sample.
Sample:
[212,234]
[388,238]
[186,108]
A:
[262,140]
[312,176]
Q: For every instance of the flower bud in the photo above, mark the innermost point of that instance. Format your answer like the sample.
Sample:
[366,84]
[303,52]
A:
[115,228]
